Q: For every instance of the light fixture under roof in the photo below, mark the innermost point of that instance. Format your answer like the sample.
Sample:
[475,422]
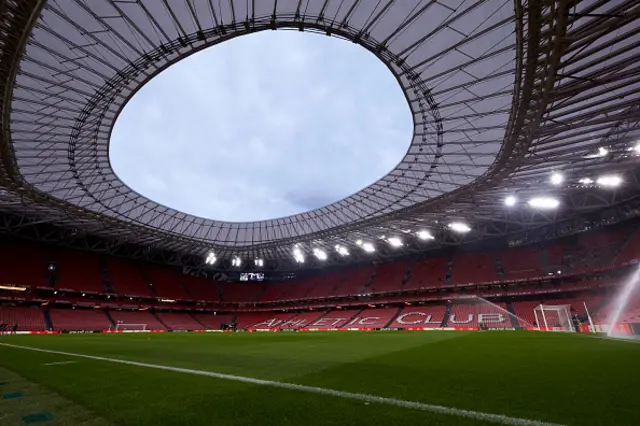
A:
[557,178]
[342,250]
[395,242]
[609,181]
[544,203]
[236,261]
[368,247]
[298,255]
[459,227]
[602,152]
[586,181]
[258,262]
[211,258]
[320,254]
[359,242]
[425,235]
[510,201]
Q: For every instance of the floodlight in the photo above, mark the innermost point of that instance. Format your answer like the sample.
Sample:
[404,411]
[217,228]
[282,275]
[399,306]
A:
[395,242]
[557,178]
[425,235]
[236,261]
[610,181]
[368,247]
[586,181]
[359,242]
[320,254]
[602,152]
[211,258]
[258,262]
[510,201]
[545,203]
[459,227]
[298,255]
[342,251]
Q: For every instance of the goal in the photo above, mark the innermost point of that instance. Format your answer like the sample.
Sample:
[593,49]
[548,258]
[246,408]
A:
[554,317]
[131,327]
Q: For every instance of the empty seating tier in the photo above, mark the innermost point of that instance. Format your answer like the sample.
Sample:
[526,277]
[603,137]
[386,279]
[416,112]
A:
[27,319]
[79,319]
[182,321]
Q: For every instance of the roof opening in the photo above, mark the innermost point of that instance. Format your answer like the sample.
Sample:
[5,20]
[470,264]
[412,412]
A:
[263,126]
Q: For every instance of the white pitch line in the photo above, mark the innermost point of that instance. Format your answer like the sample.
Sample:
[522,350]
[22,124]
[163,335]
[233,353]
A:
[439,409]
[616,339]
[61,363]
[611,339]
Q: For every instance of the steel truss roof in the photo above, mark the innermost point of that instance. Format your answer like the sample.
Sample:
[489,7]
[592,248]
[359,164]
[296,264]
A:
[502,94]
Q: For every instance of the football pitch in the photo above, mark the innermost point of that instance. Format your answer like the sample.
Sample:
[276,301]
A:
[319,378]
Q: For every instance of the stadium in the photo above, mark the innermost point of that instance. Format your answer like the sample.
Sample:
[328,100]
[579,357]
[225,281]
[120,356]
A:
[490,277]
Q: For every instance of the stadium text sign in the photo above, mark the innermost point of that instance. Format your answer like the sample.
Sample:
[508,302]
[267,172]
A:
[409,318]
[415,318]
[322,322]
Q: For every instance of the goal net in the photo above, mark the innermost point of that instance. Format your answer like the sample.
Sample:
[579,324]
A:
[554,317]
[131,327]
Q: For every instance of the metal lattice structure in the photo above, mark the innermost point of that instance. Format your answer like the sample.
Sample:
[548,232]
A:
[502,92]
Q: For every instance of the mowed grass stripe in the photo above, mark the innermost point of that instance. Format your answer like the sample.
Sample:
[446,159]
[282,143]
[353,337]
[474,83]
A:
[438,409]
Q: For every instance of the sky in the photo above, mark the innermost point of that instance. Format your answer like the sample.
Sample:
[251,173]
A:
[262,126]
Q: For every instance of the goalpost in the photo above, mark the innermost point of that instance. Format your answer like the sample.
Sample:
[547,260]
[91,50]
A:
[554,317]
[131,327]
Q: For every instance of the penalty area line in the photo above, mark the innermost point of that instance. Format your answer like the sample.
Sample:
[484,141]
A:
[438,409]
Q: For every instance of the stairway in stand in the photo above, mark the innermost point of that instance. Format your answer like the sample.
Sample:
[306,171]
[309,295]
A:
[393,318]
[447,314]
[47,319]
[204,327]
[113,323]
[160,321]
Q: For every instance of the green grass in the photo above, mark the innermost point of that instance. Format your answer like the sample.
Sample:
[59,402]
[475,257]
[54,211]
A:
[561,378]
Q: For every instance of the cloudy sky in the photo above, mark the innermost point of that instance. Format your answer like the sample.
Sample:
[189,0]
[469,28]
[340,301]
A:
[263,126]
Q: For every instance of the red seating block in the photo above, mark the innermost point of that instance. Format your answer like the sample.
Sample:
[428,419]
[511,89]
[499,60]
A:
[79,319]
[127,278]
[179,321]
[79,271]
[427,273]
[420,317]
[28,319]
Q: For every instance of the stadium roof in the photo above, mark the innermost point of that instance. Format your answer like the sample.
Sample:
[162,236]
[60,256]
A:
[503,94]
